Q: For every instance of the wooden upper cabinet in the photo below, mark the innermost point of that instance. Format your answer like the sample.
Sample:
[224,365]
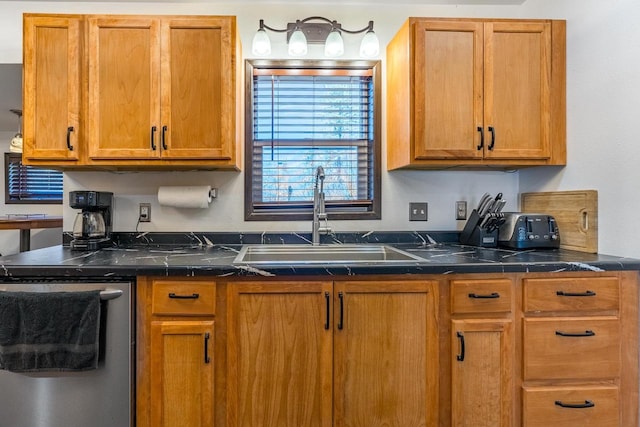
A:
[160,88]
[448,89]
[124,87]
[52,87]
[472,92]
[141,91]
[517,74]
[197,96]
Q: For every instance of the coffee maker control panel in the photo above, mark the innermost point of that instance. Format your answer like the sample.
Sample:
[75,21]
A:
[90,199]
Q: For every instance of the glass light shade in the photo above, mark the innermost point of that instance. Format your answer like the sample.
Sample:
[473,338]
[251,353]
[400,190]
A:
[297,44]
[370,46]
[261,44]
[334,45]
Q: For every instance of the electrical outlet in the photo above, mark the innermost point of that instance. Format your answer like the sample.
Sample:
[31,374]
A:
[417,211]
[461,209]
[145,212]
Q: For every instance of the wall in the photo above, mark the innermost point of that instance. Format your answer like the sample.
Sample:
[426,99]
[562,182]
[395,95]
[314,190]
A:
[598,120]
[603,88]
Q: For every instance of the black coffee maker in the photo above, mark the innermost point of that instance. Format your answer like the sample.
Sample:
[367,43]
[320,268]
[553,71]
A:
[93,224]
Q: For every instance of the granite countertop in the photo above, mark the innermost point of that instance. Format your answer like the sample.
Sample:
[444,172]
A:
[212,254]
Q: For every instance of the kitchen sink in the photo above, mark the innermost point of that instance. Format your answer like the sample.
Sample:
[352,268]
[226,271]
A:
[323,254]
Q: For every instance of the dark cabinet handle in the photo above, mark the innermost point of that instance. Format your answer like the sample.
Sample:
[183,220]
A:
[460,357]
[576,294]
[163,137]
[586,404]
[327,299]
[153,137]
[341,321]
[587,333]
[206,348]
[69,130]
[487,296]
[481,130]
[493,138]
[192,296]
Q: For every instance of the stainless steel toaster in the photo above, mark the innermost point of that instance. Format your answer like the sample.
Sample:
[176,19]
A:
[528,230]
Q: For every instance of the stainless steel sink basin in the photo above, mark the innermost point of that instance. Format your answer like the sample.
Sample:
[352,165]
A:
[323,254]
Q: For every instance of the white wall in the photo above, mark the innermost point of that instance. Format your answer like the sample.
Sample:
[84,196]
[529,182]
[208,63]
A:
[603,114]
[602,61]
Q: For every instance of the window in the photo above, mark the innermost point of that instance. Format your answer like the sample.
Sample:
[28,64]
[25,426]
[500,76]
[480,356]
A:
[28,184]
[301,116]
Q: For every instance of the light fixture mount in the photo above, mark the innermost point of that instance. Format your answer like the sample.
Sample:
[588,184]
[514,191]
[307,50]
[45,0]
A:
[316,30]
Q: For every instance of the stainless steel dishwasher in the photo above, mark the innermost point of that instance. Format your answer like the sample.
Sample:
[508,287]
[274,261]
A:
[98,398]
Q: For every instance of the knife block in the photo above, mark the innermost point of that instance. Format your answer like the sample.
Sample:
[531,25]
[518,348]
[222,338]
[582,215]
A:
[473,235]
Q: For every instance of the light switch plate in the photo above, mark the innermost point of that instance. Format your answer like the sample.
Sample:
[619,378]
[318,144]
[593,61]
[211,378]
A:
[417,211]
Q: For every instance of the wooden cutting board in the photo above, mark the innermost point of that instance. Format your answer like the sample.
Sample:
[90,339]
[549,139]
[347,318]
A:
[576,213]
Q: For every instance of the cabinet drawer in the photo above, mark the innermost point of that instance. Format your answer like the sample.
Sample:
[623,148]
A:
[547,406]
[183,298]
[571,348]
[571,294]
[481,296]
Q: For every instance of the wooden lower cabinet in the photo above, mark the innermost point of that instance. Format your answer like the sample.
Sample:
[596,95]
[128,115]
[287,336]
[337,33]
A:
[591,406]
[322,354]
[482,373]
[279,354]
[181,374]
[468,350]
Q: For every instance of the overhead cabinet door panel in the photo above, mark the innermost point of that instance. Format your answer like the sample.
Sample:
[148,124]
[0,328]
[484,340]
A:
[195,91]
[124,88]
[516,86]
[448,77]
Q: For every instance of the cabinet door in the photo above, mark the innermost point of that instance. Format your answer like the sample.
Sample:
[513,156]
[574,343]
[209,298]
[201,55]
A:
[385,341]
[52,47]
[481,373]
[198,116]
[448,90]
[124,88]
[181,374]
[279,354]
[517,77]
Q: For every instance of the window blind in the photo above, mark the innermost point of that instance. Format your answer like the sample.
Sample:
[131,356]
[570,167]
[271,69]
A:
[28,184]
[308,118]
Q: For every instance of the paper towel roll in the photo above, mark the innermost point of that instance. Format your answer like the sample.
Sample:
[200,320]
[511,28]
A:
[196,196]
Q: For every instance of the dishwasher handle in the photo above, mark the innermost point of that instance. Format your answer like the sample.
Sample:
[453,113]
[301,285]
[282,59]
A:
[109,294]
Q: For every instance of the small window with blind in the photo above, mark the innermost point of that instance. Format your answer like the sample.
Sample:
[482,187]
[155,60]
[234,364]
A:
[304,115]
[28,184]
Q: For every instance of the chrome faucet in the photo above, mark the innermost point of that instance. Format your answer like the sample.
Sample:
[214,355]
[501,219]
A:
[319,212]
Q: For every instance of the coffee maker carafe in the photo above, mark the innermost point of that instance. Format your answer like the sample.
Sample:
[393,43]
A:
[92,226]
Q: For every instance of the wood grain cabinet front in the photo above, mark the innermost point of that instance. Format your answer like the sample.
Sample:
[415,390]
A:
[138,91]
[177,353]
[499,103]
[322,353]
[580,356]
[482,352]
[52,89]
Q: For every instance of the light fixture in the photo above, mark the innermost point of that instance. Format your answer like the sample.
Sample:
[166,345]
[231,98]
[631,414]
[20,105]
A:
[326,31]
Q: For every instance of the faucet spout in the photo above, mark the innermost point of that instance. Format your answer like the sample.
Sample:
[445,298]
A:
[319,212]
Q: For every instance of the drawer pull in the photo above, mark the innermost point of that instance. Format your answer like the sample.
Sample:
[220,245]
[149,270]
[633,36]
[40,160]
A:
[586,404]
[576,294]
[192,296]
[485,296]
[460,357]
[587,333]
